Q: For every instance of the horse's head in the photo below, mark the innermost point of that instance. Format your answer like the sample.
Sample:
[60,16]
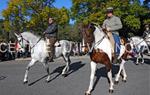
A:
[87,34]
[21,40]
[131,47]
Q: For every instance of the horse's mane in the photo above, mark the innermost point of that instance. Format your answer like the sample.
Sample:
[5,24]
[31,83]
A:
[137,37]
[29,34]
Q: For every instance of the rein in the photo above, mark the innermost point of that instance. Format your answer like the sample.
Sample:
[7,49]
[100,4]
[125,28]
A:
[140,41]
[135,45]
[36,42]
[97,43]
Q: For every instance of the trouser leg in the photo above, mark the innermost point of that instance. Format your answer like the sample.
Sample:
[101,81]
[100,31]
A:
[111,41]
[51,50]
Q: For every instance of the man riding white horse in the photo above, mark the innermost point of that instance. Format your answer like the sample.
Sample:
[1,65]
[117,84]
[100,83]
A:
[147,31]
[111,26]
[51,37]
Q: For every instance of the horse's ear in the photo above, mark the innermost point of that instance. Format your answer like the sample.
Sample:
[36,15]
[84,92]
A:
[129,39]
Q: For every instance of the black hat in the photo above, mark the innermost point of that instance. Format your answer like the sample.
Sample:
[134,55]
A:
[110,10]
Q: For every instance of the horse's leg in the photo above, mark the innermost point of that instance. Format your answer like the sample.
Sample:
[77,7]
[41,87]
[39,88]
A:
[137,59]
[93,69]
[32,62]
[124,74]
[142,58]
[45,64]
[120,69]
[109,75]
[148,50]
[66,68]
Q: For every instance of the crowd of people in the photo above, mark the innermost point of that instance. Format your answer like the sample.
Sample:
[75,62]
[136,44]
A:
[12,50]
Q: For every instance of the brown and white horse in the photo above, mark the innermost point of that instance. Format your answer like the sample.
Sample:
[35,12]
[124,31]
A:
[101,53]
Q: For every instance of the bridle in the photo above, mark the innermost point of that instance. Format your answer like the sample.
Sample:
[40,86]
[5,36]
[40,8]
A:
[21,40]
[28,41]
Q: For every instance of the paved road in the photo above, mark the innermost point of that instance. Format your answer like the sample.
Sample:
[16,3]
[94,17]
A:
[12,73]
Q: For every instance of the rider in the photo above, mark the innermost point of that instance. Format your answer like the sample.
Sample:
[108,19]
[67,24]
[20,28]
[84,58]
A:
[147,31]
[112,24]
[51,37]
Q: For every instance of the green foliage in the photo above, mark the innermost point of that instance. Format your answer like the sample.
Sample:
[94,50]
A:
[132,14]
[132,22]
[22,15]
[69,32]
[147,21]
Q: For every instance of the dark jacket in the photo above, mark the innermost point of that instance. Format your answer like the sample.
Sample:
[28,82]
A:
[146,32]
[51,31]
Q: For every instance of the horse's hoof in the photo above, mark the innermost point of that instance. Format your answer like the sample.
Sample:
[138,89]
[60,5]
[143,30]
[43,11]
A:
[116,82]
[47,81]
[87,93]
[136,63]
[124,81]
[111,90]
[25,82]
[64,75]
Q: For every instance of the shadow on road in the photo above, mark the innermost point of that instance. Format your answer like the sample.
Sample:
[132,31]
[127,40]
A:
[147,61]
[102,72]
[2,77]
[37,80]
[73,68]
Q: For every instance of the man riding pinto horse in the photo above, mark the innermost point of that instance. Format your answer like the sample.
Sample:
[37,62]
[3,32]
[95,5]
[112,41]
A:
[111,26]
[102,49]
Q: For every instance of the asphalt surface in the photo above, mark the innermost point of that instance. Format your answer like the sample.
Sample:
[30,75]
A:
[76,83]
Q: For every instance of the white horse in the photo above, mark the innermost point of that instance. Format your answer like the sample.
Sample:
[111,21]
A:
[139,45]
[102,54]
[39,52]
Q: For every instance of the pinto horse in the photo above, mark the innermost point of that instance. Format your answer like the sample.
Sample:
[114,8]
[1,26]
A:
[101,53]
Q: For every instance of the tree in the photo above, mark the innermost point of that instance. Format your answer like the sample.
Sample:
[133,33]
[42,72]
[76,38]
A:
[69,32]
[32,15]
